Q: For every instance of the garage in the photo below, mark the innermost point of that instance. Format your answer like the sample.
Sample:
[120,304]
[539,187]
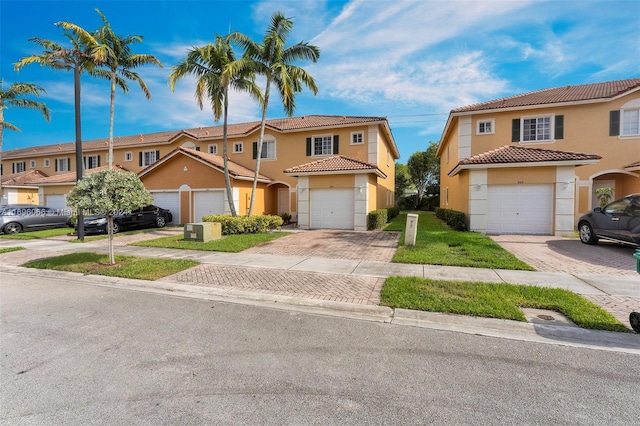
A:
[57,202]
[332,208]
[207,203]
[168,200]
[520,209]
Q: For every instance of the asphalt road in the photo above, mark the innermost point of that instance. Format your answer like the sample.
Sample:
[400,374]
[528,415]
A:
[77,354]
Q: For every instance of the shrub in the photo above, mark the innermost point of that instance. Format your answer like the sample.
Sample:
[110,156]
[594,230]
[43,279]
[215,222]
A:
[245,224]
[393,212]
[455,219]
[376,219]
[286,217]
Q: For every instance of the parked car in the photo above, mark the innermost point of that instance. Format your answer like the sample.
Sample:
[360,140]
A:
[15,218]
[146,217]
[618,221]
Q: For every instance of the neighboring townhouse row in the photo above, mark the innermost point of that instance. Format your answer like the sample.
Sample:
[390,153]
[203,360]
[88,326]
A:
[326,171]
[530,164]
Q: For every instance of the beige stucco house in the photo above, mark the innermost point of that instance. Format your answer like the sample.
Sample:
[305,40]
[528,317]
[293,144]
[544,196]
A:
[184,172]
[530,163]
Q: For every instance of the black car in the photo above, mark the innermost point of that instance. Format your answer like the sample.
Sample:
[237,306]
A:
[618,221]
[146,217]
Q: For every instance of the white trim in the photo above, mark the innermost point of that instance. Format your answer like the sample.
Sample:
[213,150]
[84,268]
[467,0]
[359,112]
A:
[372,145]
[552,123]
[459,168]
[486,120]
[210,146]
[313,144]
[128,156]
[377,172]
[360,203]
[361,133]
[464,138]
[240,144]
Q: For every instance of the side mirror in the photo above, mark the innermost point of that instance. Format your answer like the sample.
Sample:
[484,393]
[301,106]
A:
[597,210]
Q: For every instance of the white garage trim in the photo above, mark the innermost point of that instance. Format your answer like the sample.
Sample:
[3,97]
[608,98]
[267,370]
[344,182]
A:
[168,200]
[520,209]
[332,208]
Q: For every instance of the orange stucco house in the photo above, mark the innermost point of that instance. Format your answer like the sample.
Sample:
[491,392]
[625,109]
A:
[530,163]
[184,171]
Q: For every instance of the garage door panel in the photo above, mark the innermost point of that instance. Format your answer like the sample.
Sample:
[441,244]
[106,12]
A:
[332,209]
[208,203]
[520,209]
[168,200]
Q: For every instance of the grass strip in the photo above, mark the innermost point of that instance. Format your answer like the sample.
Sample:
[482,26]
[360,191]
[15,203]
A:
[10,249]
[493,301]
[36,235]
[228,243]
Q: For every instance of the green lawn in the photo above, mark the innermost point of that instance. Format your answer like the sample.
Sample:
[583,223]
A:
[493,301]
[437,244]
[10,249]
[35,235]
[228,243]
[125,267]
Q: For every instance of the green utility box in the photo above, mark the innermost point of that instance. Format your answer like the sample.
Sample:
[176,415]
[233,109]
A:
[636,255]
[202,231]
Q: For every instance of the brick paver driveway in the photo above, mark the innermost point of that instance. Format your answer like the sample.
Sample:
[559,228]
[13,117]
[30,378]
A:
[558,254]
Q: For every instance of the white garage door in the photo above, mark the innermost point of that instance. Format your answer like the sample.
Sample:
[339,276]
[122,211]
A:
[520,209]
[168,200]
[208,203]
[56,202]
[331,208]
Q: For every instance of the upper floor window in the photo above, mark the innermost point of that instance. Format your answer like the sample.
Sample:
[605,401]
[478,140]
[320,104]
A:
[148,157]
[91,161]
[32,164]
[128,156]
[357,138]
[238,147]
[630,125]
[625,122]
[323,145]
[19,167]
[47,162]
[546,128]
[63,164]
[485,127]
[213,149]
[268,150]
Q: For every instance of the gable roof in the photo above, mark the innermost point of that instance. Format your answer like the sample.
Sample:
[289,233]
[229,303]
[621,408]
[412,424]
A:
[22,178]
[70,177]
[593,92]
[282,125]
[337,164]
[517,156]
[236,171]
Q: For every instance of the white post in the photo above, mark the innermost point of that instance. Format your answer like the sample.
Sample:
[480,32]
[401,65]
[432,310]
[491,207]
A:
[411,230]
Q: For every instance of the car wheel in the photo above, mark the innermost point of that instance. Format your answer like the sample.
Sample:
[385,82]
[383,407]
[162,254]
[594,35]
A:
[634,320]
[12,228]
[160,222]
[116,228]
[586,233]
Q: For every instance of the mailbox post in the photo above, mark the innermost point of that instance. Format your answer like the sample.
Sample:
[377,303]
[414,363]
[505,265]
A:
[411,230]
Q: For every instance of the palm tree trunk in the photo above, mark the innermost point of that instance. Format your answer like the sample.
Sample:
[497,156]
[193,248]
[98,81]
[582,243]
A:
[227,180]
[1,131]
[259,147]
[79,166]
[111,114]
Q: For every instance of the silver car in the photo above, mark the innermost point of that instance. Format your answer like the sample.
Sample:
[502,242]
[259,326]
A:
[15,218]
[618,221]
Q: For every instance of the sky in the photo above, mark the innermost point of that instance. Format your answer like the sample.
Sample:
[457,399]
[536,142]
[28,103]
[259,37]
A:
[407,60]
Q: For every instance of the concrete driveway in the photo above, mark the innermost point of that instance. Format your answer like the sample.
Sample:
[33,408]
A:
[559,254]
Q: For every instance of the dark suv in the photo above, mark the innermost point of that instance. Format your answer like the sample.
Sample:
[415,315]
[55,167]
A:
[618,221]
[146,217]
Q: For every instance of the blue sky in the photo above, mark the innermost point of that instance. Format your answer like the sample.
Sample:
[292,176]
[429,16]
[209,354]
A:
[409,61]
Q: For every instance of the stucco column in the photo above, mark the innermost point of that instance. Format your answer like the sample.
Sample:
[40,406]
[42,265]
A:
[565,201]
[478,204]
[360,202]
[303,202]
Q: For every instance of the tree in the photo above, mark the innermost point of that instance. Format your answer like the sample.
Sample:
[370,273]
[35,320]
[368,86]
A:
[604,195]
[272,60]
[77,58]
[13,98]
[210,65]
[115,54]
[402,180]
[109,192]
[424,169]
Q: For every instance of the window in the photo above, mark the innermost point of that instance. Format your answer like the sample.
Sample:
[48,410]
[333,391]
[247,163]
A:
[268,150]
[63,164]
[91,161]
[538,129]
[238,147]
[128,156]
[322,145]
[32,164]
[148,157]
[485,127]
[19,167]
[630,125]
[357,138]
[47,162]
[213,149]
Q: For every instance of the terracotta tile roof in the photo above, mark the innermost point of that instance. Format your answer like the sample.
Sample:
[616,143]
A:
[581,92]
[235,169]
[336,163]
[518,154]
[23,178]
[202,133]
[70,177]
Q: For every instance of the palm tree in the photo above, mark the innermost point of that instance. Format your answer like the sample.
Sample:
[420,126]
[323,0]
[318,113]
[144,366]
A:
[77,58]
[271,59]
[114,53]
[12,98]
[210,65]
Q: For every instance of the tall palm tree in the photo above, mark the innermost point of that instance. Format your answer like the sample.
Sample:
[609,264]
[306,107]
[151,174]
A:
[271,59]
[210,65]
[114,53]
[77,58]
[13,98]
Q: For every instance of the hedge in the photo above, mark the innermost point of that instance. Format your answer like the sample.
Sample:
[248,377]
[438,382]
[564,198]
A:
[376,219]
[455,219]
[245,224]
